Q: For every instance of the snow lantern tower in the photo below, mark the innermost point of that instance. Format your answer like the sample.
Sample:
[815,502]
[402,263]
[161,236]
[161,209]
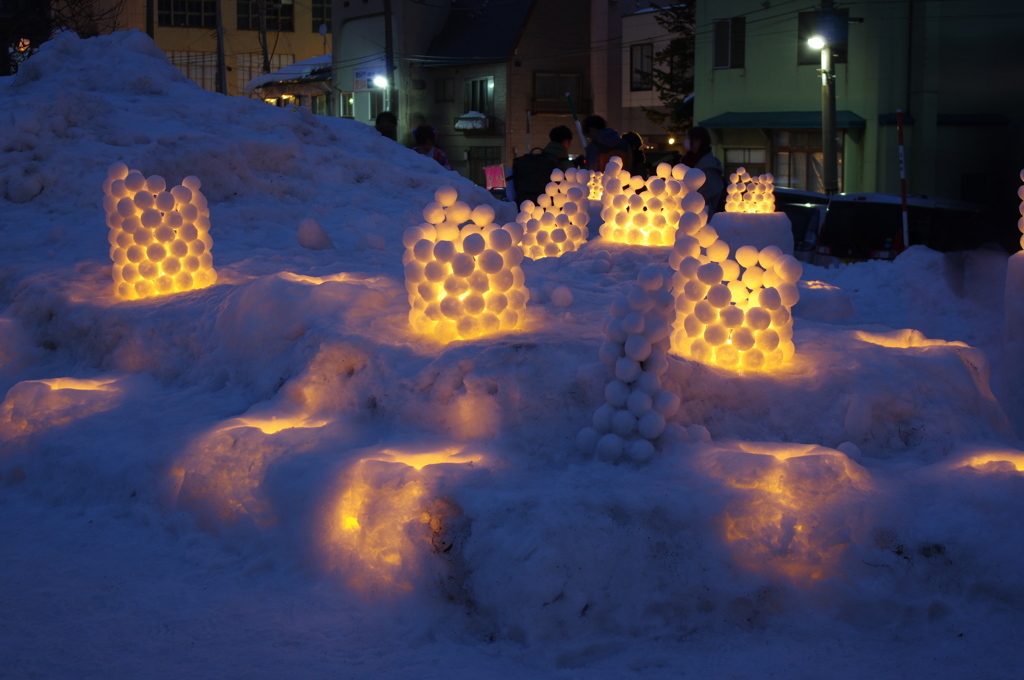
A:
[1013,340]
[734,313]
[557,222]
[631,425]
[159,239]
[647,212]
[462,271]
[748,194]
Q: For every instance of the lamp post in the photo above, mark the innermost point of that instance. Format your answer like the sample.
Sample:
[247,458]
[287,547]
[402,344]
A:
[828,115]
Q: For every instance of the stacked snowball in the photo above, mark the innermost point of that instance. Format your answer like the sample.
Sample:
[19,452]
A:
[159,239]
[557,223]
[733,313]
[748,194]
[1020,222]
[596,185]
[631,422]
[462,271]
[647,212]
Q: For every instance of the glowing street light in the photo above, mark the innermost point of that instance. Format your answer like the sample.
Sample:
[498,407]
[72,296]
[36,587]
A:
[380,81]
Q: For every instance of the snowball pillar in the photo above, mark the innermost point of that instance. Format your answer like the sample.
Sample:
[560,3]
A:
[159,238]
[631,424]
[734,313]
[557,223]
[647,212]
[462,271]
[748,194]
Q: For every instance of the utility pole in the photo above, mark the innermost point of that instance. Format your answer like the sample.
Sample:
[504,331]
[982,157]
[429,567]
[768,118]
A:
[390,102]
[828,122]
[829,34]
[222,71]
[263,35]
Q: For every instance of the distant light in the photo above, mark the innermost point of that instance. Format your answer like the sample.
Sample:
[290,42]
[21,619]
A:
[380,81]
[671,140]
[817,42]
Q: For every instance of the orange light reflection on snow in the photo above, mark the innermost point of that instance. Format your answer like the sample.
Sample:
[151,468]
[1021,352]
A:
[787,520]
[35,405]
[380,527]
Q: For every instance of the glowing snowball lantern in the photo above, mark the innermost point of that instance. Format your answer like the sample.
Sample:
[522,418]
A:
[159,238]
[734,313]
[748,194]
[648,212]
[557,222]
[596,185]
[631,424]
[1020,222]
[462,271]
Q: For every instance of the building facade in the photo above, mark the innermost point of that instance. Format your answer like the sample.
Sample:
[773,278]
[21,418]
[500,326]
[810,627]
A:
[949,66]
[187,33]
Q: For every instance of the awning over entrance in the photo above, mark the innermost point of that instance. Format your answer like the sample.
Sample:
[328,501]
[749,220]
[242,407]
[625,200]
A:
[780,120]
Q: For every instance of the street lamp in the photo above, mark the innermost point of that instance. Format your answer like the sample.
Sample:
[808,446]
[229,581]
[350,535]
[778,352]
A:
[828,114]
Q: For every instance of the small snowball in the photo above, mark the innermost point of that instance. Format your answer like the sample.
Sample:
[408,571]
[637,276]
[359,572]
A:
[624,423]
[561,297]
[609,448]
[641,451]
[617,393]
[311,235]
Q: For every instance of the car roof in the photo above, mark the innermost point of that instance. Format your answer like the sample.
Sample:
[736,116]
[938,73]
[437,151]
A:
[800,196]
[917,201]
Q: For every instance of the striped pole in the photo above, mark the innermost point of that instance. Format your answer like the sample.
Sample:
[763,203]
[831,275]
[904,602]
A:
[903,179]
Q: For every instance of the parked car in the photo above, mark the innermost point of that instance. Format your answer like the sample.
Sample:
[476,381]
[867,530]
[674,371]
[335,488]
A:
[806,211]
[870,226]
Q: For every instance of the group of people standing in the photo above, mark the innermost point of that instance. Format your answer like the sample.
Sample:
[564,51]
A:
[602,144]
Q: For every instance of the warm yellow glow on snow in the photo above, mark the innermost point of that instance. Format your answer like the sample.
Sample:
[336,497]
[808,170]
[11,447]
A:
[159,237]
[786,518]
[996,461]
[388,519]
[35,405]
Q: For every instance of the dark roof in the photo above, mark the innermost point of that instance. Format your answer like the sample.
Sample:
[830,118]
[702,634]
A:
[479,32]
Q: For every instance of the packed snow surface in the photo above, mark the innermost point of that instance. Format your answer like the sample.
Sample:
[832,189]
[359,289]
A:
[276,477]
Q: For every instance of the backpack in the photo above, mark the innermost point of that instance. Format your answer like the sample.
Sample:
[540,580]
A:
[620,149]
[531,174]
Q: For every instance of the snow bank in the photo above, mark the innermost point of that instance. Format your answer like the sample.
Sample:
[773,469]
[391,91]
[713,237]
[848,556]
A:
[276,476]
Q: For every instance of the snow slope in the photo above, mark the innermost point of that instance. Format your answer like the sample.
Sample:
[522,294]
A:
[275,477]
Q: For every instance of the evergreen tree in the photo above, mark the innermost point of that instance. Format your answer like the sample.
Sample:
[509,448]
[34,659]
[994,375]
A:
[672,73]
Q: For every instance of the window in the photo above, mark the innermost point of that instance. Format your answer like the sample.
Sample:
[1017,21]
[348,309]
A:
[251,65]
[798,160]
[199,66]
[321,14]
[549,93]
[318,104]
[348,109]
[730,42]
[280,15]
[187,13]
[810,25]
[753,160]
[445,91]
[641,64]
[479,95]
